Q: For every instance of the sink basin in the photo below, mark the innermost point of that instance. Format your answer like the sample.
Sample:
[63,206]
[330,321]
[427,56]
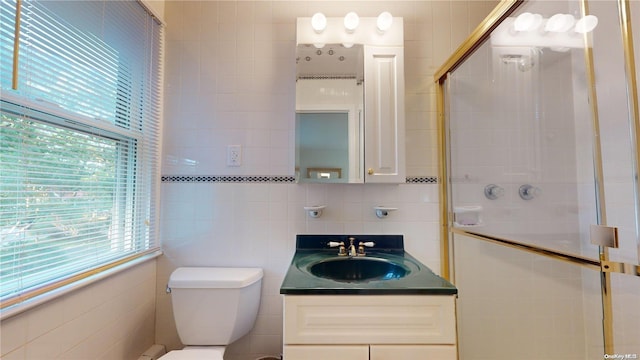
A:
[386,269]
[357,269]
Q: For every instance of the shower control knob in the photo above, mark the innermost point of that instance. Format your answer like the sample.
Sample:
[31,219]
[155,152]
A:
[493,191]
[528,192]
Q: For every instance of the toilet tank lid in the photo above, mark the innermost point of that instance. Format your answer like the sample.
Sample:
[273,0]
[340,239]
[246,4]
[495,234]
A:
[213,277]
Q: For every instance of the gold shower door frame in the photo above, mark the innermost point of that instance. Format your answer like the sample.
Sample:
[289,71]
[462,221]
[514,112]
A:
[604,265]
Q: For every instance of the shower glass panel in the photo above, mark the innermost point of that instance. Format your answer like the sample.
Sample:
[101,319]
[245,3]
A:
[513,304]
[620,174]
[615,124]
[521,136]
[521,160]
[626,317]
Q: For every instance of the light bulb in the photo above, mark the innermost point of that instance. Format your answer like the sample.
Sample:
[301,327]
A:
[527,22]
[569,21]
[318,22]
[586,24]
[351,21]
[384,22]
[559,23]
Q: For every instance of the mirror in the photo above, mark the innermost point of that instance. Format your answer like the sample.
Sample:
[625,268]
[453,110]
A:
[329,113]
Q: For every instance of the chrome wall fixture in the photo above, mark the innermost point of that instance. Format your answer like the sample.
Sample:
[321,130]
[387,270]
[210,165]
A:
[493,191]
[528,192]
[314,211]
[383,211]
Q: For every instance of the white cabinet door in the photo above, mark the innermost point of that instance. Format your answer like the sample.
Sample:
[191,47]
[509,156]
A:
[413,352]
[384,115]
[371,319]
[326,352]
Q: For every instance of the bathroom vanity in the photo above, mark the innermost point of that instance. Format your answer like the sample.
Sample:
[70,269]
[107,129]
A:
[384,304]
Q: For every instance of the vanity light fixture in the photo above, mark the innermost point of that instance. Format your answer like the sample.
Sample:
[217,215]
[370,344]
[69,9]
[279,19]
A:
[384,21]
[560,32]
[318,22]
[351,21]
[349,30]
[558,23]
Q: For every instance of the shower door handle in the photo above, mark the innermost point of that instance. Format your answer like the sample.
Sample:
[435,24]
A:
[607,236]
[620,268]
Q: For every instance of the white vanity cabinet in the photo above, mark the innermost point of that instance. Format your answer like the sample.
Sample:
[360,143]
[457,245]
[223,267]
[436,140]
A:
[325,352]
[376,327]
[384,114]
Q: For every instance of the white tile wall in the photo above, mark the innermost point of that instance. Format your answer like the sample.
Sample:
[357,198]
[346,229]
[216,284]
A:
[230,79]
[111,319]
[256,224]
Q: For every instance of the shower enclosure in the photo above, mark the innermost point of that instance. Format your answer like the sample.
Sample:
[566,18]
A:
[539,181]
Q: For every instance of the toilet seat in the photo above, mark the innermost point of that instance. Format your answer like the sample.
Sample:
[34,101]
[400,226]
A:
[212,353]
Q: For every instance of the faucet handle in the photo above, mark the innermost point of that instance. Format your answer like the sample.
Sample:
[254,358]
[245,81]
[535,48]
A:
[361,246]
[342,251]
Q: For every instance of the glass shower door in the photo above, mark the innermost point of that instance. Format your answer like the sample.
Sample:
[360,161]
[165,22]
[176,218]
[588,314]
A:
[521,142]
[522,176]
[539,166]
[620,129]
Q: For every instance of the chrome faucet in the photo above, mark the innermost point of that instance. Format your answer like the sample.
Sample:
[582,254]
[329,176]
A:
[352,250]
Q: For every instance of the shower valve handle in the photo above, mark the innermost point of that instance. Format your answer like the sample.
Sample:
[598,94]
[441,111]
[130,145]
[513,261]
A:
[528,192]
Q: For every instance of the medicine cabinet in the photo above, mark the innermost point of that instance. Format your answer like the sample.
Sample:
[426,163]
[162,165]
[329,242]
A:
[350,103]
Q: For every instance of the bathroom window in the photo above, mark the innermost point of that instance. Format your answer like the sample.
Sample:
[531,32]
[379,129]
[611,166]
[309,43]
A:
[79,128]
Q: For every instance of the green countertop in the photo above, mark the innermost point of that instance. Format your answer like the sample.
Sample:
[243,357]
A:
[418,280]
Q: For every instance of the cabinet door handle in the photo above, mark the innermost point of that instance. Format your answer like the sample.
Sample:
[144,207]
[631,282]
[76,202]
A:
[370,171]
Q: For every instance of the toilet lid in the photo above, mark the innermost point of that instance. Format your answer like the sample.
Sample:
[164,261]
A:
[193,354]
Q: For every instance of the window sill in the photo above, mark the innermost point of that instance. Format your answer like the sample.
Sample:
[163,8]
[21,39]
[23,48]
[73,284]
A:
[58,292]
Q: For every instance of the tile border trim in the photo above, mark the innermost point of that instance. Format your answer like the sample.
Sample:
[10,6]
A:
[279,179]
[422,180]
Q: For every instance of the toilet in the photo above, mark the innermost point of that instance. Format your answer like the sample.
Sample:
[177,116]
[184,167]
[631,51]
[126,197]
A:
[212,307]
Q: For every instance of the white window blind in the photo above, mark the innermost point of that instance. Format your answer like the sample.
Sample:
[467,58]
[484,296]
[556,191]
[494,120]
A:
[78,140]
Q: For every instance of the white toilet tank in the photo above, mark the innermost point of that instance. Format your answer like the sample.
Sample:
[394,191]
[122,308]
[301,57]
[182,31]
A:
[214,305]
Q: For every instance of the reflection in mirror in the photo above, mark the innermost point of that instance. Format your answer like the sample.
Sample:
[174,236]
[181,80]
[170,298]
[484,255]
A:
[322,153]
[329,106]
